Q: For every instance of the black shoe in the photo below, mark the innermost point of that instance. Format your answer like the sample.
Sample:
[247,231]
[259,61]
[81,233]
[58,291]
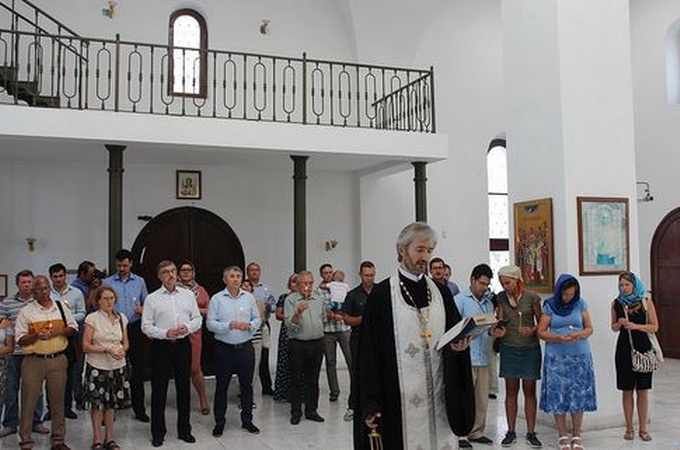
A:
[481,440]
[533,440]
[218,430]
[142,418]
[251,428]
[69,414]
[157,442]
[188,438]
[294,420]
[509,439]
[462,443]
[333,398]
[269,391]
[314,417]
[47,417]
[493,396]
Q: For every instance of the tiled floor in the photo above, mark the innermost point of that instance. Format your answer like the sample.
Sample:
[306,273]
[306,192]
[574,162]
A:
[334,434]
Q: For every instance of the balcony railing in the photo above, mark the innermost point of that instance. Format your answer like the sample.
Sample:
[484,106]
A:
[73,72]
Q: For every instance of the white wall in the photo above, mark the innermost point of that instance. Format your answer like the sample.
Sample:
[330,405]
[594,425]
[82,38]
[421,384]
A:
[656,120]
[65,205]
[463,40]
[316,26]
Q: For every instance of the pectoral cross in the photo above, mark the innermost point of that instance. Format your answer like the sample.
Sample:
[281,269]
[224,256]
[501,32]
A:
[425,334]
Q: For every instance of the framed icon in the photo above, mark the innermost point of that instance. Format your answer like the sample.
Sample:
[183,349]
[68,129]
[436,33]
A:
[188,185]
[603,244]
[534,247]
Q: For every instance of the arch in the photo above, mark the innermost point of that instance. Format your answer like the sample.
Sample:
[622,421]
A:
[665,265]
[182,63]
[189,233]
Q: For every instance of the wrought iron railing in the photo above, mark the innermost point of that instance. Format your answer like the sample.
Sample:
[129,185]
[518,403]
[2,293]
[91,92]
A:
[69,71]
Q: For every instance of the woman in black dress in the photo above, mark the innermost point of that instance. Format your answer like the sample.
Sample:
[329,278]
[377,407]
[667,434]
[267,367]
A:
[633,316]
[283,368]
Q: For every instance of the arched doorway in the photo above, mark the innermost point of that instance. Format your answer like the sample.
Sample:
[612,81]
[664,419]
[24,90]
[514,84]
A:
[194,234]
[188,233]
[665,263]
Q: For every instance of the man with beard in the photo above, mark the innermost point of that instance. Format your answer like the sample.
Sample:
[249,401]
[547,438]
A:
[412,394]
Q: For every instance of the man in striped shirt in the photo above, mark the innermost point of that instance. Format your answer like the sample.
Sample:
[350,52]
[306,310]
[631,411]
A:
[9,309]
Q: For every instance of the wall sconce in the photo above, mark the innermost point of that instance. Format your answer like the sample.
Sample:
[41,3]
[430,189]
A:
[264,26]
[110,9]
[330,245]
[648,197]
[31,243]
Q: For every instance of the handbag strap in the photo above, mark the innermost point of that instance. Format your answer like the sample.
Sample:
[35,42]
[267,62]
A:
[630,334]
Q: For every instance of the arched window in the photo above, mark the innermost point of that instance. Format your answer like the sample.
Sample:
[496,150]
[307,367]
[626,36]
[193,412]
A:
[188,68]
[499,224]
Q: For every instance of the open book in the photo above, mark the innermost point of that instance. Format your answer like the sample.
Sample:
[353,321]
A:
[470,326]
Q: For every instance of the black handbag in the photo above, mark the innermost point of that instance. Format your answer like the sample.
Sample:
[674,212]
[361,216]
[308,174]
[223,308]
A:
[70,351]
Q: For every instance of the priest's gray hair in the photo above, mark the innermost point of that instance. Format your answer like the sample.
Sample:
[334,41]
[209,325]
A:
[417,231]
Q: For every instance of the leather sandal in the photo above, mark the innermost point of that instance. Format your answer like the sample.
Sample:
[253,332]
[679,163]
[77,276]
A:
[111,445]
[629,435]
[576,443]
[645,436]
[563,443]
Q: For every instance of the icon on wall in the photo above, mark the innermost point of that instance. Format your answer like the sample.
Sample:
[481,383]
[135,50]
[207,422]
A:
[603,245]
[188,185]
[534,247]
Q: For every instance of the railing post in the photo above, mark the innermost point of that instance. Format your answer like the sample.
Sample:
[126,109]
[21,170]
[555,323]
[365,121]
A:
[434,123]
[304,88]
[117,75]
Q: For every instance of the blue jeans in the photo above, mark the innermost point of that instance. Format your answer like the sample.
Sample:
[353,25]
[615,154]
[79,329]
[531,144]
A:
[11,419]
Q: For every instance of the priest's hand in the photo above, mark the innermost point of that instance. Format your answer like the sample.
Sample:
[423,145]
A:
[372,420]
[461,345]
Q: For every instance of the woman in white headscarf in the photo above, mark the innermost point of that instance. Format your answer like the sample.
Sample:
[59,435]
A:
[520,351]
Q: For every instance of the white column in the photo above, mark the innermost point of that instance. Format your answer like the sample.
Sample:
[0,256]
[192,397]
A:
[569,109]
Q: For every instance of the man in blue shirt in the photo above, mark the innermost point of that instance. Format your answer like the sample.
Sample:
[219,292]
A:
[234,317]
[131,292]
[477,300]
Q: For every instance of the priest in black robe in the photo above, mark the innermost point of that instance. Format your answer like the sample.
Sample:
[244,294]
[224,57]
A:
[414,396]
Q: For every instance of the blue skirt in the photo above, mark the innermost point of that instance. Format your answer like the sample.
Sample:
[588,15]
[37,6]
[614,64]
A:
[568,384]
[520,362]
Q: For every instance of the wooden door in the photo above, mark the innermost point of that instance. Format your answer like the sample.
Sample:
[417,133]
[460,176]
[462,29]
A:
[193,234]
[665,256]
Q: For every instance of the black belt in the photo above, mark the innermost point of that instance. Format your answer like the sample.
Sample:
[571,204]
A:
[235,346]
[50,356]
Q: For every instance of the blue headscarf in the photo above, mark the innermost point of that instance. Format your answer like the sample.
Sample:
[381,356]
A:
[555,302]
[639,291]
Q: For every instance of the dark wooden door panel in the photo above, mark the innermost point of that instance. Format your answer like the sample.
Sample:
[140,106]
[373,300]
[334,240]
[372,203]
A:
[665,261]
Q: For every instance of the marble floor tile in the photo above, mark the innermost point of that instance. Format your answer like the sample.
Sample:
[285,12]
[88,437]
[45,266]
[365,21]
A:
[335,434]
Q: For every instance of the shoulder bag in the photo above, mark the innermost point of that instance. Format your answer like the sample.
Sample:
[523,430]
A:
[642,362]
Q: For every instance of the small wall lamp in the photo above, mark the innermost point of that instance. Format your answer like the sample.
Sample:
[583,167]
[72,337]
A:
[330,245]
[648,197]
[31,243]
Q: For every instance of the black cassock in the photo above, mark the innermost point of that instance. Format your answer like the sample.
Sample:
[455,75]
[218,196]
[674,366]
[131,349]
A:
[378,384]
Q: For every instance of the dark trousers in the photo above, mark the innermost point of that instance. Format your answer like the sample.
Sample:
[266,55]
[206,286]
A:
[135,337]
[353,371]
[306,359]
[236,360]
[265,376]
[176,356]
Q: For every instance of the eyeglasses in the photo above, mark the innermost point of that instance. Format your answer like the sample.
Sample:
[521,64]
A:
[186,269]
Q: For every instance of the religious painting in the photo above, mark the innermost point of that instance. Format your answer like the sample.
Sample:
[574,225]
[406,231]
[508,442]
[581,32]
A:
[188,185]
[534,248]
[603,245]
[3,286]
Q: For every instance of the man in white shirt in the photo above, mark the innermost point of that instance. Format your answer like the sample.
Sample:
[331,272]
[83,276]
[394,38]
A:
[170,316]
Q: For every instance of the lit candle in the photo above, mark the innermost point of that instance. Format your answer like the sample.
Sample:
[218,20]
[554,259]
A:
[520,319]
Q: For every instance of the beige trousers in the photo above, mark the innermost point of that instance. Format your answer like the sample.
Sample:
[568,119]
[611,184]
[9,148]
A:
[480,378]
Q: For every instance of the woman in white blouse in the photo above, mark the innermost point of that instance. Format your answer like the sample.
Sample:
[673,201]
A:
[106,386]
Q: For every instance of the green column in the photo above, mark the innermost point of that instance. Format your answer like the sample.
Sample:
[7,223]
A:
[299,212]
[115,202]
[420,180]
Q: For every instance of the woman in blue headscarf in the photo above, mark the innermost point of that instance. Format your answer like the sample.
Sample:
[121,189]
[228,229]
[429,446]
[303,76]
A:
[568,375]
[633,312]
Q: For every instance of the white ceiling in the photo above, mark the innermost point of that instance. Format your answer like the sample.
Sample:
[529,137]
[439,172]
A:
[71,150]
